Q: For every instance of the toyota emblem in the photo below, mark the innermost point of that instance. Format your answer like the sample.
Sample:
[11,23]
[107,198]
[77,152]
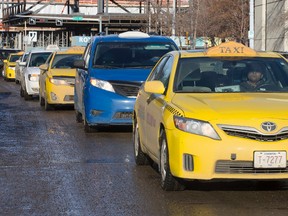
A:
[268,126]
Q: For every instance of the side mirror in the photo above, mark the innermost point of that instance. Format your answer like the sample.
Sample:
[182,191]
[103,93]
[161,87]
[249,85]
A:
[22,64]
[79,64]
[5,61]
[43,67]
[154,86]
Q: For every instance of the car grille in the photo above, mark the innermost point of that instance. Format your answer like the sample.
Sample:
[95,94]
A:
[127,89]
[239,167]
[254,134]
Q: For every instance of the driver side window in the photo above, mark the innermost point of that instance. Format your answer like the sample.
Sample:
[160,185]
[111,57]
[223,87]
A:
[162,71]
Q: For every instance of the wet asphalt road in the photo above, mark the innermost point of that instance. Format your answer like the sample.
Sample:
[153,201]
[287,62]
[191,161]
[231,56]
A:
[50,166]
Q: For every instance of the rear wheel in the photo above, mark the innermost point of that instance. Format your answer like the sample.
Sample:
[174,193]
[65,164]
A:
[168,182]
[140,156]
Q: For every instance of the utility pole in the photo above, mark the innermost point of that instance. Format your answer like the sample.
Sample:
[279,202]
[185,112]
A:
[251,24]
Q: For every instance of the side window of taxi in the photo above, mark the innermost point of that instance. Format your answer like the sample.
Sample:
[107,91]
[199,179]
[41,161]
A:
[163,70]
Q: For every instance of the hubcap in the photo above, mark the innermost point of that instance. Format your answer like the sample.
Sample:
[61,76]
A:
[136,140]
[163,159]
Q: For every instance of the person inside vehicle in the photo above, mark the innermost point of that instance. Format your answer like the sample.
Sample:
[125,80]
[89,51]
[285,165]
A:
[255,79]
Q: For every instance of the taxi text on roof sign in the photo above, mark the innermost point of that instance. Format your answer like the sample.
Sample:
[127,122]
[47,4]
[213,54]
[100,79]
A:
[231,49]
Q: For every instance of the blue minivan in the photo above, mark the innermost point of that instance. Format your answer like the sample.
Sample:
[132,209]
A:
[110,74]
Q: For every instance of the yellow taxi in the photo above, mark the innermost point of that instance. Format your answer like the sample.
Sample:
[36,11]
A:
[57,78]
[9,65]
[220,113]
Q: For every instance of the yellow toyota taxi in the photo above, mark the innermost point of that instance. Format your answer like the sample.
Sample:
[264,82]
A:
[9,65]
[57,78]
[215,114]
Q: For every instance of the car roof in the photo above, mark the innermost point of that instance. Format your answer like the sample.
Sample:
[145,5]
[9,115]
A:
[72,50]
[41,51]
[227,49]
[131,36]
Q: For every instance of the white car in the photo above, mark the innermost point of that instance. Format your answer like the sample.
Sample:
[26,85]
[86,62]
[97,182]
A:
[29,78]
[19,68]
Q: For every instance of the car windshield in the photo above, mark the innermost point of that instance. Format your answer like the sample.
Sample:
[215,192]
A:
[38,59]
[231,75]
[65,60]
[14,58]
[129,54]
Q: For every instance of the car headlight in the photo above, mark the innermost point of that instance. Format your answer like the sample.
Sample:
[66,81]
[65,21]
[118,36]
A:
[102,84]
[195,127]
[58,81]
[33,77]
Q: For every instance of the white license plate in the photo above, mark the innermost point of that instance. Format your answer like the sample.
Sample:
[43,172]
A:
[267,159]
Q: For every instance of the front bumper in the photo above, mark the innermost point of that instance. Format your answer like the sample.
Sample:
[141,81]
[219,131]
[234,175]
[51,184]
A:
[10,73]
[198,157]
[107,108]
[59,94]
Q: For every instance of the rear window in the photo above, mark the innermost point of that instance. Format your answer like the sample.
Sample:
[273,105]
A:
[130,54]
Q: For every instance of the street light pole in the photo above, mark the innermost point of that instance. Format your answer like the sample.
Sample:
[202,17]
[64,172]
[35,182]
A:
[174,18]
[251,24]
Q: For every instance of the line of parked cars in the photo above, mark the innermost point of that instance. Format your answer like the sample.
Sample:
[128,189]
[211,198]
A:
[219,113]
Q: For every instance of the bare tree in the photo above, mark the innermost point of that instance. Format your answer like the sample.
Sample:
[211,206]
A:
[206,18]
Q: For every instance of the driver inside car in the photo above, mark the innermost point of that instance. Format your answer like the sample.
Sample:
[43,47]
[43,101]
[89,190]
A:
[255,80]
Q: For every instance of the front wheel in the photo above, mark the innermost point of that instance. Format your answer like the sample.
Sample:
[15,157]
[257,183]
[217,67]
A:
[26,95]
[139,155]
[21,92]
[48,106]
[41,101]
[78,117]
[168,181]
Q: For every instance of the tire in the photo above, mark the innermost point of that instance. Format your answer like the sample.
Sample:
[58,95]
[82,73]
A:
[87,127]
[79,118]
[168,182]
[41,101]
[139,155]
[48,106]
[21,92]
[17,81]
[26,95]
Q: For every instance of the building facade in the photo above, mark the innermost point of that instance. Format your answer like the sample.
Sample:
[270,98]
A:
[271,25]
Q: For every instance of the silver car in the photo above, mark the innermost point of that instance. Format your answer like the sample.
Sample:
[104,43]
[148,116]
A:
[29,78]
[19,68]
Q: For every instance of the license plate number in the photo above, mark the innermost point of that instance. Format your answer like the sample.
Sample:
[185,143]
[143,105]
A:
[267,159]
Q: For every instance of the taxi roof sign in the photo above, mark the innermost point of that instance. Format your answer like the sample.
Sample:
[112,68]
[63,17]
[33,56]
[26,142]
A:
[231,49]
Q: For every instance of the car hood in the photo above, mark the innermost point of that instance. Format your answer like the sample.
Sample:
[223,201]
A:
[123,74]
[63,72]
[233,106]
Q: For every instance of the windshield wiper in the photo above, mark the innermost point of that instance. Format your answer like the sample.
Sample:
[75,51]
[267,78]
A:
[105,66]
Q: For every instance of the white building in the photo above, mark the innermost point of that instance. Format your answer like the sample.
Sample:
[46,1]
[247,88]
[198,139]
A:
[271,25]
